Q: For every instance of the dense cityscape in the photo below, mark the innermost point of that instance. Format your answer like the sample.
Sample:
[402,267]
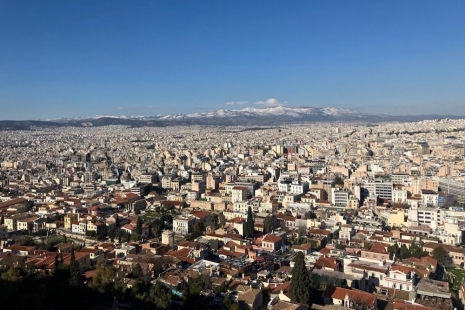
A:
[304,216]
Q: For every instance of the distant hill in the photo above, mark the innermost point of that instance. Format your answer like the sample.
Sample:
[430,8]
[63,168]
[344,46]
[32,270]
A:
[247,117]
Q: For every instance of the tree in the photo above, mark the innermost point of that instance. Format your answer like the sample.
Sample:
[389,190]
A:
[103,278]
[222,219]
[299,290]
[117,224]
[74,271]
[139,226]
[199,227]
[55,266]
[249,224]
[137,272]
[269,224]
[160,295]
[112,234]
[214,221]
[441,255]
[337,180]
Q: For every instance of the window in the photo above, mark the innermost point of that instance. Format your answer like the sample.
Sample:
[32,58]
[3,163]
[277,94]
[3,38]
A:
[375,256]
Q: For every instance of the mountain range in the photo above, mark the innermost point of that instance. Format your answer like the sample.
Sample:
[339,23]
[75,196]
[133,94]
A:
[248,116]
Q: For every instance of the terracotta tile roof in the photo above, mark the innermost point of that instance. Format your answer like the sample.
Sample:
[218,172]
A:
[340,293]
[271,238]
[403,306]
[326,262]
[378,247]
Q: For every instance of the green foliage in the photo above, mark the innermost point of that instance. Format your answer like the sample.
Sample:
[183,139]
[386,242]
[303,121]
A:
[299,290]
[160,295]
[442,256]
[222,219]
[340,246]
[337,181]
[213,222]
[90,233]
[75,279]
[402,252]
[139,226]
[249,224]
[199,227]
[103,278]
[270,224]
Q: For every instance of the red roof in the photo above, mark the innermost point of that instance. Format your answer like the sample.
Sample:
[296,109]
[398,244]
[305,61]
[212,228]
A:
[340,293]
[271,238]
[200,214]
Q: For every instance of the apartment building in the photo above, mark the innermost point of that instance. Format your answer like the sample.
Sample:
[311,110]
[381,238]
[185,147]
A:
[379,188]
[238,193]
[454,186]
[429,197]
[399,195]
[183,225]
[340,197]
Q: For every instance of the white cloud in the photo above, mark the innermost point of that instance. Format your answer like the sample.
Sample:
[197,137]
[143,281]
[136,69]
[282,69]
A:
[120,108]
[270,102]
[236,102]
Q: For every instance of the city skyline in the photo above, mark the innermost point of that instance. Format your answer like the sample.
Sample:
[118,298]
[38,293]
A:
[82,59]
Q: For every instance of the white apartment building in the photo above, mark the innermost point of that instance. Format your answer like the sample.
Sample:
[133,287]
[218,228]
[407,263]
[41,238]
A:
[183,225]
[381,189]
[399,278]
[399,195]
[429,197]
[340,197]
[240,206]
[238,193]
[400,178]
[166,181]
[425,215]
[299,187]
[146,178]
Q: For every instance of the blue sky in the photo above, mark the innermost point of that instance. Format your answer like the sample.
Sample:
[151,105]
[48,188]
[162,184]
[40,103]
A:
[83,58]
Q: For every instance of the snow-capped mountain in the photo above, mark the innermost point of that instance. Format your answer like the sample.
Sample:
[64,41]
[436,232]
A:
[299,113]
[270,116]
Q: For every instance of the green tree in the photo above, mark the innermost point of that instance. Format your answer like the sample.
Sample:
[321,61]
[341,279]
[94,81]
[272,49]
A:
[117,224]
[103,280]
[222,219]
[74,271]
[249,224]
[441,255]
[213,223]
[337,180]
[160,295]
[56,264]
[139,226]
[299,290]
[269,224]
[112,234]
[404,252]
[137,272]
[199,227]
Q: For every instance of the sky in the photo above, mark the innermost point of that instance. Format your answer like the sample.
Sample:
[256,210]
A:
[149,57]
